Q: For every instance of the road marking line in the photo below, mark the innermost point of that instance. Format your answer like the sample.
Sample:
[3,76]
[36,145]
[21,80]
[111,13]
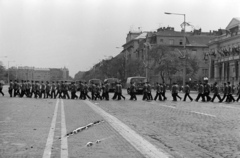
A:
[48,148]
[203,113]
[137,141]
[64,143]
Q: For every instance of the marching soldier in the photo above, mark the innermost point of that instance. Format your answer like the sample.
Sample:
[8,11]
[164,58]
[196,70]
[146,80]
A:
[177,92]
[120,92]
[52,91]
[106,90]
[200,92]
[149,91]
[73,89]
[207,90]
[86,91]
[230,97]
[103,90]
[145,92]
[238,92]
[174,91]
[216,92]
[65,90]
[1,87]
[93,91]
[10,89]
[187,92]
[43,90]
[115,92]
[48,88]
[158,92]
[164,88]
[38,90]
[133,91]
[58,88]
[28,87]
[81,88]
[225,92]
[33,89]
[98,92]
[23,89]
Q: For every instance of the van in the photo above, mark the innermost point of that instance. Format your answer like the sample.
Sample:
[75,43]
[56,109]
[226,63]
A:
[112,83]
[139,83]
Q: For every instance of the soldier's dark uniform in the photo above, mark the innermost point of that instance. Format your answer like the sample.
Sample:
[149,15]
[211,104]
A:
[38,90]
[43,90]
[174,91]
[33,89]
[238,92]
[86,91]
[145,92]
[133,91]
[200,93]
[81,89]
[103,91]
[187,93]
[93,91]
[28,87]
[65,90]
[207,90]
[216,92]
[149,91]
[58,88]
[225,92]
[53,88]
[1,87]
[120,92]
[10,89]
[115,92]
[48,88]
[98,92]
[230,97]
[164,88]
[73,89]
[23,89]
[106,91]
[158,93]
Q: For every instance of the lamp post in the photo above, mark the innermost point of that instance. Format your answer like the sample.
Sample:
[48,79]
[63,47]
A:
[8,69]
[184,46]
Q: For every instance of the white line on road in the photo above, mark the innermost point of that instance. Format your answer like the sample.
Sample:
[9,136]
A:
[48,148]
[64,143]
[141,144]
[203,113]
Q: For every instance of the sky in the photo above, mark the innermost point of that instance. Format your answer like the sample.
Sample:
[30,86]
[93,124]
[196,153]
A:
[79,33]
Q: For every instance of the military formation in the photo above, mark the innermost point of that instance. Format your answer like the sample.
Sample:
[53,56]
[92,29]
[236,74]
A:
[61,89]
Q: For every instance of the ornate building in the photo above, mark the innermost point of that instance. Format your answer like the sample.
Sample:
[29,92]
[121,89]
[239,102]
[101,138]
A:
[223,56]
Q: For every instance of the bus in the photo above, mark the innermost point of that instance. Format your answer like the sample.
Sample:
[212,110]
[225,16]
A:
[139,83]
[112,83]
[95,81]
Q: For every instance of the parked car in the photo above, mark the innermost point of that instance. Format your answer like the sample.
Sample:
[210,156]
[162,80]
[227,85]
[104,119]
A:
[139,83]
[112,83]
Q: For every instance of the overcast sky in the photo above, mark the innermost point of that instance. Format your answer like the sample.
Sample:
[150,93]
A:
[79,33]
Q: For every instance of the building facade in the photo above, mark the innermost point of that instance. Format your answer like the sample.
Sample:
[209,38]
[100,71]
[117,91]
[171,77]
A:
[56,74]
[224,55]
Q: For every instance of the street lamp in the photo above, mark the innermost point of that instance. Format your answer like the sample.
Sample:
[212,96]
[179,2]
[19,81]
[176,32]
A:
[8,69]
[184,46]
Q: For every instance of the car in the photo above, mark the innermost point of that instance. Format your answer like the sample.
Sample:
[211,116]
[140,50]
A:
[139,83]
[112,83]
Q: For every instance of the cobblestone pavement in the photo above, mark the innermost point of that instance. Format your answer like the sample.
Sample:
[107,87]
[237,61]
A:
[184,129]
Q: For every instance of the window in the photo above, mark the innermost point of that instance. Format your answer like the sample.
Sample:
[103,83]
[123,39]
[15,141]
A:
[171,41]
[181,42]
[194,51]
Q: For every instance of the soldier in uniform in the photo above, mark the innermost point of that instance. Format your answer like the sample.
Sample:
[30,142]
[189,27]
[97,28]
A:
[230,91]
[115,91]
[149,91]
[65,90]
[58,88]
[1,87]
[103,90]
[48,88]
[81,88]
[28,87]
[52,92]
[120,92]
[86,91]
[98,92]
[164,88]
[174,91]
[43,90]
[216,92]
[23,88]
[93,91]
[73,89]
[10,89]
[178,91]
[145,92]
[133,91]
[238,92]
[106,90]
[207,90]
[33,89]
[38,90]
[200,92]
[225,92]
[187,92]
[158,92]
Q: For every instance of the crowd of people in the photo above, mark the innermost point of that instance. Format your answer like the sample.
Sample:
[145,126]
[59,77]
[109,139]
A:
[61,89]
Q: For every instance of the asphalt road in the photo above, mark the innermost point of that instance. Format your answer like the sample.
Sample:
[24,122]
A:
[37,128]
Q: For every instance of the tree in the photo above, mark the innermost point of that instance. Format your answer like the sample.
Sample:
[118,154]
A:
[135,67]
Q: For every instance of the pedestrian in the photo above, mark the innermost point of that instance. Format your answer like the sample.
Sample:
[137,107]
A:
[216,92]
[238,92]
[10,89]
[158,92]
[230,96]
[163,91]
[120,92]
[187,92]
[207,90]
[174,91]
[145,92]
[107,90]
[53,89]
[48,88]
[133,91]
[200,92]
[1,88]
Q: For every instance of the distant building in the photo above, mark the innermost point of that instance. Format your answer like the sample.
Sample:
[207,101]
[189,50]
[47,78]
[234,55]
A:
[224,55]
[56,74]
[25,73]
[65,73]
[41,74]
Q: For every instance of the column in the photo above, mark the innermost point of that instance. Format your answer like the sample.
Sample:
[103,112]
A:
[216,72]
[223,74]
